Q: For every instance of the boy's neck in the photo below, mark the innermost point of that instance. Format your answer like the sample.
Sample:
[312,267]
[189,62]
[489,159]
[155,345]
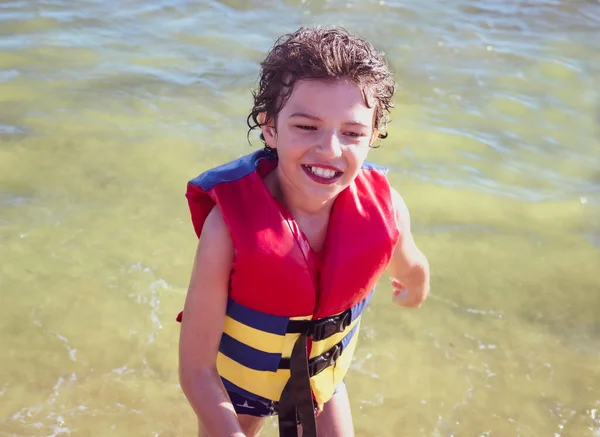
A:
[296,204]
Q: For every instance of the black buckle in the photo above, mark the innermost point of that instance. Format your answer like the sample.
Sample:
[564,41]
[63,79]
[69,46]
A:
[325,328]
[319,363]
[321,329]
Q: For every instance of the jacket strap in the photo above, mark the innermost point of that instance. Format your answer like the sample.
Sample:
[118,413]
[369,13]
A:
[296,402]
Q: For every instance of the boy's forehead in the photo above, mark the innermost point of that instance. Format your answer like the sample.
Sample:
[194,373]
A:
[312,99]
[306,93]
[314,84]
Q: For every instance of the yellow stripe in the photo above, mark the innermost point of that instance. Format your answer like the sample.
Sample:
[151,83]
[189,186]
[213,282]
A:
[309,317]
[320,347]
[261,340]
[266,384]
[324,383]
[270,384]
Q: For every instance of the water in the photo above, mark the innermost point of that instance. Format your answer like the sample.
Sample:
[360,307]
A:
[108,108]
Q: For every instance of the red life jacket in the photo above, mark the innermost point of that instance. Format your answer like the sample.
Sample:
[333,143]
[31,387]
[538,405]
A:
[276,277]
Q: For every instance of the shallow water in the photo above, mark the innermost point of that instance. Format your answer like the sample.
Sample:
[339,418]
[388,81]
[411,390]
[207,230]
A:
[108,108]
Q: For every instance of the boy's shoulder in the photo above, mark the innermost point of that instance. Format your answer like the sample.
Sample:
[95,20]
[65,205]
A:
[230,171]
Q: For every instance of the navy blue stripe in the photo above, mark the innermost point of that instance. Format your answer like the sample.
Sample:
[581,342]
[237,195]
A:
[348,337]
[247,356]
[229,172]
[256,319]
[231,387]
[278,324]
[252,407]
[358,309]
[372,166]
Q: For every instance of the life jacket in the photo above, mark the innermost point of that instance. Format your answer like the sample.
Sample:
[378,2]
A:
[280,290]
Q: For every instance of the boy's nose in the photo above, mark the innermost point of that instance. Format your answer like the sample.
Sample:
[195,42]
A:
[329,144]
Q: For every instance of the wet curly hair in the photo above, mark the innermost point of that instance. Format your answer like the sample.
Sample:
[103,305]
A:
[322,53]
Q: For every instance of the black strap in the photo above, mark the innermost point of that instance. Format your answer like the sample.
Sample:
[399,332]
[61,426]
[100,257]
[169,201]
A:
[321,329]
[296,402]
[286,410]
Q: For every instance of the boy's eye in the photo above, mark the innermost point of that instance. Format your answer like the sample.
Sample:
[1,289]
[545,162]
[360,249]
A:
[305,127]
[355,134]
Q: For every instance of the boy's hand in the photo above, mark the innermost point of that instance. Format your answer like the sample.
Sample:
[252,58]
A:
[409,267]
[406,298]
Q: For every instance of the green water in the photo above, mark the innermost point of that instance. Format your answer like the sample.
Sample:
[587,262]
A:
[108,108]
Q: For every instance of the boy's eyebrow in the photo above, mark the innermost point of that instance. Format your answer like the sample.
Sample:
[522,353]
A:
[303,114]
[356,123]
[312,117]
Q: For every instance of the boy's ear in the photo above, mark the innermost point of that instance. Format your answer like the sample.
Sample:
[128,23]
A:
[374,137]
[268,130]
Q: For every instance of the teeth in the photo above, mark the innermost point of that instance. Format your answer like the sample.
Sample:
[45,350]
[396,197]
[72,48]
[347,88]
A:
[323,172]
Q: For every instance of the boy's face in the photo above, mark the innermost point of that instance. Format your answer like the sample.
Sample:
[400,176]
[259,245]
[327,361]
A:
[322,137]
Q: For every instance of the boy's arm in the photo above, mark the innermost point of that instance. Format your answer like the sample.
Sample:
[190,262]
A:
[409,268]
[201,329]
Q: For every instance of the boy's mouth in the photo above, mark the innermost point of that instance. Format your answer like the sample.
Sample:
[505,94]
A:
[323,175]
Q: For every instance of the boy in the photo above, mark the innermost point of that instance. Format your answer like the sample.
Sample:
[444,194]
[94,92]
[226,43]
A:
[292,240]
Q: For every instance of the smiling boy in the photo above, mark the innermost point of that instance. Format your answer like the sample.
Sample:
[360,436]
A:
[292,240]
